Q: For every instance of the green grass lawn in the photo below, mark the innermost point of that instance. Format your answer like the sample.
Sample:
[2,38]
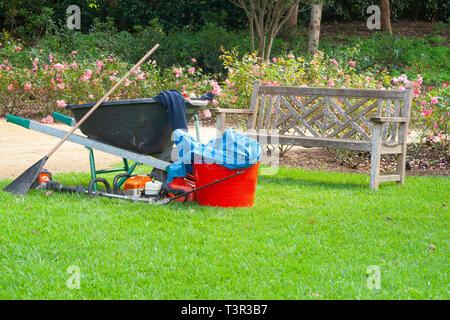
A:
[310,235]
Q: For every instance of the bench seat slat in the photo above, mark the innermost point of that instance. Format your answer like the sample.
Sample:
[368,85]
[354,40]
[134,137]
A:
[389,177]
[223,110]
[310,141]
[331,92]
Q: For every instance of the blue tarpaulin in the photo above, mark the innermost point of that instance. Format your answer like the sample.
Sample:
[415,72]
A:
[232,150]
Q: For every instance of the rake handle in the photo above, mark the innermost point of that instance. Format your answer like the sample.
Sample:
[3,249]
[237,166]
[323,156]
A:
[101,101]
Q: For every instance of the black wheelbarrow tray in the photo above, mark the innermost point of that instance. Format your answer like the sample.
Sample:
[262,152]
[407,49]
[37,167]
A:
[137,130]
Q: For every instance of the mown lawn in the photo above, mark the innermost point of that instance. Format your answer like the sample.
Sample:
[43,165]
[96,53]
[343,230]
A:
[310,235]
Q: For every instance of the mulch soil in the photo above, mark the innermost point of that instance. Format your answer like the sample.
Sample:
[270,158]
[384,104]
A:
[427,162]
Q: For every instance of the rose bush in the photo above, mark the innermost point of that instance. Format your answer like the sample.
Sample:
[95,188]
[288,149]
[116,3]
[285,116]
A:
[35,83]
[47,82]
[430,111]
[431,117]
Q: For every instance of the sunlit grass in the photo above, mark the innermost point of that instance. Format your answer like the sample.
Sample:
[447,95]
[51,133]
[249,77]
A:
[310,235]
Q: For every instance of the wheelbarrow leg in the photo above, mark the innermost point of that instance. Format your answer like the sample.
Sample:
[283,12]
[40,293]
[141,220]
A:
[92,166]
[128,170]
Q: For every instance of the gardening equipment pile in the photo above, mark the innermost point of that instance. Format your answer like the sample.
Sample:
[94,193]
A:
[140,130]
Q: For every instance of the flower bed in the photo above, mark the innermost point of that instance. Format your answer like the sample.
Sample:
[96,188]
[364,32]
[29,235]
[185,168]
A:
[36,83]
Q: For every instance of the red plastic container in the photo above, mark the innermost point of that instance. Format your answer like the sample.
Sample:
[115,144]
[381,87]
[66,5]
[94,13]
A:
[238,191]
[186,185]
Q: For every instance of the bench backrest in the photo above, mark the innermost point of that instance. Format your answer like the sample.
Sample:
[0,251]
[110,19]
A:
[327,112]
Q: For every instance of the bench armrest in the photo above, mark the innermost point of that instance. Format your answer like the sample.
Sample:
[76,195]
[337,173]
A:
[225,111]
[388,119]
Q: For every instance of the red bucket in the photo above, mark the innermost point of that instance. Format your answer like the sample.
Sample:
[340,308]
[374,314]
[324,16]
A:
[238,191]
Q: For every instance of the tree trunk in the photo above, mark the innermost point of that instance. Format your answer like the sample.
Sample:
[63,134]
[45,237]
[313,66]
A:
[385,16]
[314,27]
[252,35]
[291,23]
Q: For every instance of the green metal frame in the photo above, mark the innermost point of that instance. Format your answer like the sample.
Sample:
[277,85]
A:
[71,122]
[126,168]
[94,172]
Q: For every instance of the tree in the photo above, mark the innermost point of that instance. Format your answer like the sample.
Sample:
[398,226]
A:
[266,17]
[314,26]
[291,23]
[385,16]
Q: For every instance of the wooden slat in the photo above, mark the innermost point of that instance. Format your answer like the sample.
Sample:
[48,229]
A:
[254,106]
[223,110]
[354,107]
[275,114]
[261,112]
[390,119]
[354,119]
[313,109]
[386,125]
[298,117]
[350,121]
[403,133]
[391,148]
[331,92]
[269,111]
[304,109]
[311,141]
[389,178]
[395,125]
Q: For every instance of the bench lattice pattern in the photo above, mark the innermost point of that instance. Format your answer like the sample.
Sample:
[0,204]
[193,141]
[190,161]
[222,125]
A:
[371,120]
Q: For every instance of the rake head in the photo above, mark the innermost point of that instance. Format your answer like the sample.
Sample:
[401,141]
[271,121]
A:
[23,183]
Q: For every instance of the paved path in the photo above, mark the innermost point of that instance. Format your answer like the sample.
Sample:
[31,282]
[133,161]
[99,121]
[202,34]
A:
[20,148]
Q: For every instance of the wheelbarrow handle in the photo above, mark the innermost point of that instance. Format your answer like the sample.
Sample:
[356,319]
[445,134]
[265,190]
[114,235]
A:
[18,120]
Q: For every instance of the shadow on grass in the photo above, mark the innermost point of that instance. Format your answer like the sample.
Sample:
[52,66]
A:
[319,182]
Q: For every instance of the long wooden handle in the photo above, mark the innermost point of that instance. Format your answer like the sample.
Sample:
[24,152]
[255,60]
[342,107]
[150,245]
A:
[101,101]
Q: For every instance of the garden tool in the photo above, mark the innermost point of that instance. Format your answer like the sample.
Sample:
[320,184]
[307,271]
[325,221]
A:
[22,184]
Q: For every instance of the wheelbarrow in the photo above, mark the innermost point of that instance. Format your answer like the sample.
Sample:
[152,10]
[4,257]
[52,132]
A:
[137,130]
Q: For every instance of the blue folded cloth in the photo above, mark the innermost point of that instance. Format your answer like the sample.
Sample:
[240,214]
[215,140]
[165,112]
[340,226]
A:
[232,150]
[175,103]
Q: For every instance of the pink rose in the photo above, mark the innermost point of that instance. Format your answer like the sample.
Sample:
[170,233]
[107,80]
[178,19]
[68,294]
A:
[352,63]
[191,70]
[434,100]
[61,103]
[27,86]
[18,48]
[74,52]
[193,60]
[207,113]
[48,120]
[60,67]
[10,87]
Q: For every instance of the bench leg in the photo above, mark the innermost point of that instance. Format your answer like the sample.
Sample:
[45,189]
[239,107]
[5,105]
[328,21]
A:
[375,157]
[401,166]
[220,124]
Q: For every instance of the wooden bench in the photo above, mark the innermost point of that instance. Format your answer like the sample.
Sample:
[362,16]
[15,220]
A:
[353,119]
